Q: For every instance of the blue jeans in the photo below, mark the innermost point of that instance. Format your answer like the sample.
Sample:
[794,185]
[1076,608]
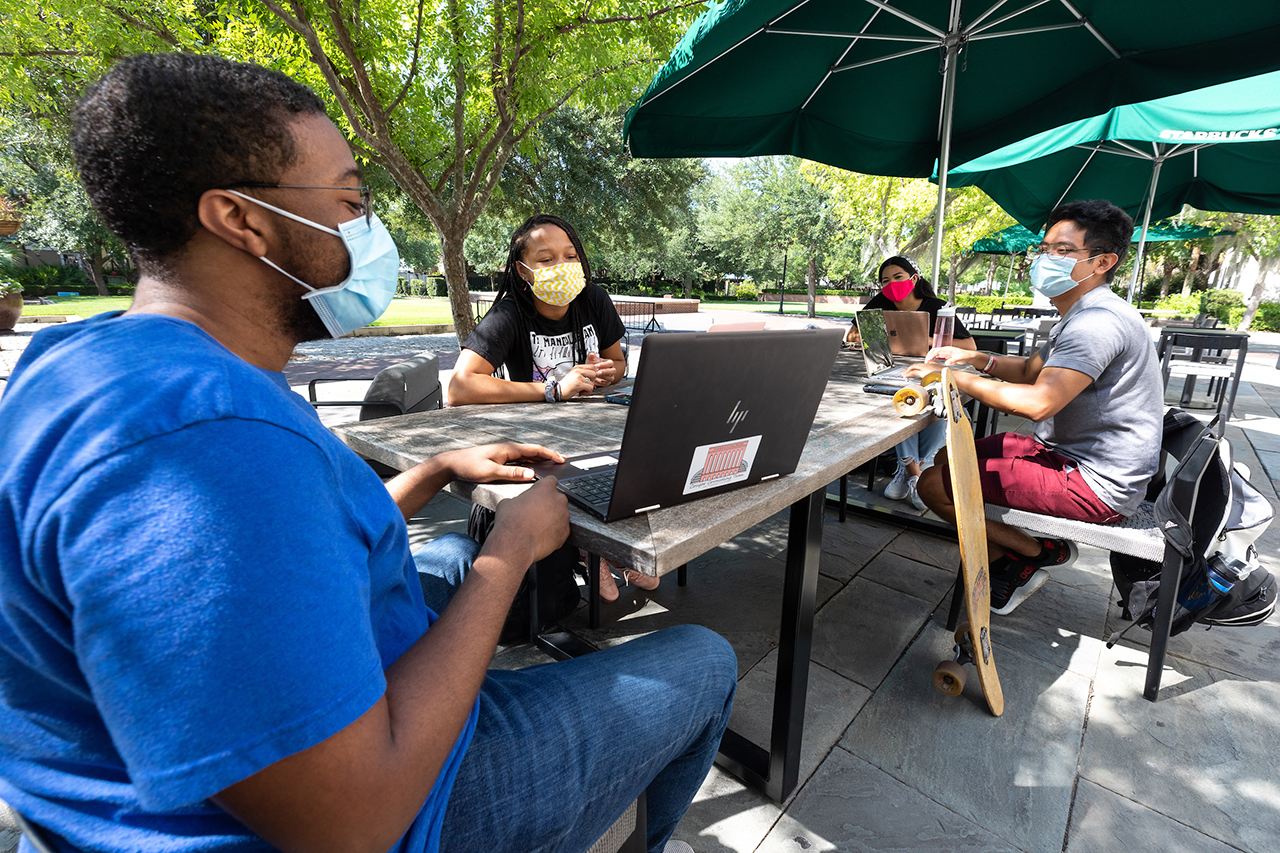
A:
[562,749]
[924,445]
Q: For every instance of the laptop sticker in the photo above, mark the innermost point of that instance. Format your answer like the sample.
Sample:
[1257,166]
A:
[722,463]
[595,462]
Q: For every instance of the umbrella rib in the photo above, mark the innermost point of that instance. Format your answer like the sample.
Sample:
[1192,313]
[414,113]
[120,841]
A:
[1077,177]
[855,36]
[825,77]
[975,29]
[908,18]
[727,51]
[1091,28]
[1124,151]
[884,58]
[1022,32]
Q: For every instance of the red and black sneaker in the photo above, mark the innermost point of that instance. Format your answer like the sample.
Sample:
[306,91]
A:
[1013,586]
[1054,554]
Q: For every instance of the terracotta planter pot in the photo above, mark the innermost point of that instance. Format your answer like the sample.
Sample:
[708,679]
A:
[10,311]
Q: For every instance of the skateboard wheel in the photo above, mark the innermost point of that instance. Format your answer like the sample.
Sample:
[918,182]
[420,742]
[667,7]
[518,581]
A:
[948,678]
[910,401]
[931,379]
[962,632]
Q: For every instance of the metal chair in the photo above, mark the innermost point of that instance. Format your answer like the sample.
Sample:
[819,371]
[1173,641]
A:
[1205,353]
[412,385]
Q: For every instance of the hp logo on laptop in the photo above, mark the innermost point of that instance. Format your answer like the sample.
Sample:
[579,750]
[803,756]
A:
[736,417]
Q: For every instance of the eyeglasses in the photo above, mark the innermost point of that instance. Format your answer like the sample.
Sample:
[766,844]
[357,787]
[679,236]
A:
[1058,250]
[366,194]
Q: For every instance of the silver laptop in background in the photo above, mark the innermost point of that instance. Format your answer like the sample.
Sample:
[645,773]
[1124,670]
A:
[877,352]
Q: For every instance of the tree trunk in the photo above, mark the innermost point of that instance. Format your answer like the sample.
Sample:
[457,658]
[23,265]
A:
[813,285]
[688,287]
[92,266]
[455,275]
[1255,298]
[1166,281]
[1191,271]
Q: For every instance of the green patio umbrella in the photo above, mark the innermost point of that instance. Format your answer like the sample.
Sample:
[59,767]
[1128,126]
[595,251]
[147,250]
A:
[1216,148]
[1017,240]
[888,88]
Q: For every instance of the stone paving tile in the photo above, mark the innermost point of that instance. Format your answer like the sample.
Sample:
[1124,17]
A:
[921,580]
[1103,821]
[847,547]
[864,629]
[831,704]
[1011,775]
[1060,625]
[927,548]
[851,805]
[1204,754]
[726,816]
[737,594]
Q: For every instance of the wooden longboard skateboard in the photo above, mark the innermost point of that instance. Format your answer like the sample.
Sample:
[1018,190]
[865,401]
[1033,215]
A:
[973,638]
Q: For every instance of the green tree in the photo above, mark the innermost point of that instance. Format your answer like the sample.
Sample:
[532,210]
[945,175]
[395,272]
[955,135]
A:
[37,175]
[1256,237]
[439,95]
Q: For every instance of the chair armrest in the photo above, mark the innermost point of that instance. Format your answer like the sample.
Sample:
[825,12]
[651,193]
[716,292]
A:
[311,386]
[394,404]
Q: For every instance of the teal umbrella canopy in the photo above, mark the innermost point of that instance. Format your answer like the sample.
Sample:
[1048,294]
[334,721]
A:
[888,87]
[1217,148]
[1016,240]
[859,84]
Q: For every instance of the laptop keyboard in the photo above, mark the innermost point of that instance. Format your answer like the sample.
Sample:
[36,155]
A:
[592,488]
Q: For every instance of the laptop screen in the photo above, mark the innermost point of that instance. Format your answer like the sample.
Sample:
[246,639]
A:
[876,352]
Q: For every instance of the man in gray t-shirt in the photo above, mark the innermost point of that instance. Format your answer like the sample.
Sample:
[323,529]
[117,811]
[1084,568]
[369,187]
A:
[1094,391]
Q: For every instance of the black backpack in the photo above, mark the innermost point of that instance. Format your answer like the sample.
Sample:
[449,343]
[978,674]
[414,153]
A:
[1229,515]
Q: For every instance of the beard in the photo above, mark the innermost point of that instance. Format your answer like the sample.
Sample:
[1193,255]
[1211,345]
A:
[320,261]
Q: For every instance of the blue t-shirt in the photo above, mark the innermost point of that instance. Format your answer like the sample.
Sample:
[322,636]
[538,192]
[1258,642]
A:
[196,580]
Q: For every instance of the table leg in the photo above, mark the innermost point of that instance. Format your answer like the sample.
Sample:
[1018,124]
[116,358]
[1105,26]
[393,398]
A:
[777,771]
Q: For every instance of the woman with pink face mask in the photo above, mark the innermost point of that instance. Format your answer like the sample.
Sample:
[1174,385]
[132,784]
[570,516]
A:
[553,335]
[902,288]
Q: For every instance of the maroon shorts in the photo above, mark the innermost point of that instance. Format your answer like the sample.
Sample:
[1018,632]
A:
[1018,471]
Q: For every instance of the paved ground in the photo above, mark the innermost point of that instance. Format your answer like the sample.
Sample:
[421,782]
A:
[1079,762]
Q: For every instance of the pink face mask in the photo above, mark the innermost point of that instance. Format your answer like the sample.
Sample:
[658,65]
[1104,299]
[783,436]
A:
[896,291]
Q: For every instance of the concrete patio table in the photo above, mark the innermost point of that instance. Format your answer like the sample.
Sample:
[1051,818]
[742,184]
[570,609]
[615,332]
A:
[851,427]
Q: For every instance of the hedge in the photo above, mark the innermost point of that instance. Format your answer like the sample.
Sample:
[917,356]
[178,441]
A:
[987,304]
[746,293]
[1189,305]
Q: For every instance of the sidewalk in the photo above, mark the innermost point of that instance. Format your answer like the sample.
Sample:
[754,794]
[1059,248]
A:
[1079,762]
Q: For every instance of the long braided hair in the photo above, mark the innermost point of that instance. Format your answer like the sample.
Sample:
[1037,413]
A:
[516,289]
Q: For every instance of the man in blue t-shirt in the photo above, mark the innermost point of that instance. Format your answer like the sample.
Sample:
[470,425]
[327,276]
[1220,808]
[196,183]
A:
[212,631]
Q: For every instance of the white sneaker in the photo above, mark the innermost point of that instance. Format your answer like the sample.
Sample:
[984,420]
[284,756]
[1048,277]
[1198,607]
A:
[677,847]
[915,496]
[898,490]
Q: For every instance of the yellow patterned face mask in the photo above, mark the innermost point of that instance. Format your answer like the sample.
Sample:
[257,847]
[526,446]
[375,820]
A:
[559,284]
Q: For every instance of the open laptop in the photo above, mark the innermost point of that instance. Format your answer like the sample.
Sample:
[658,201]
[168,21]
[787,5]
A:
[709,413]
[877,351]
[908,332]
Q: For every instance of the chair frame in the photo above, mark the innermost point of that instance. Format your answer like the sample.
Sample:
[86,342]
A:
[1219,368]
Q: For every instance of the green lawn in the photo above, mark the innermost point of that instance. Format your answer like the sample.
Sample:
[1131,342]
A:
[416,311]
[81,306]
[403,312]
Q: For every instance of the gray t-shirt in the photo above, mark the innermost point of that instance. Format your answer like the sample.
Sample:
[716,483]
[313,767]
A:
[1113,428]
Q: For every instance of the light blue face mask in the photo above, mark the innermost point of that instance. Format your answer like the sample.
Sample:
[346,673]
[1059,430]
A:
[1051,275]
[367,291]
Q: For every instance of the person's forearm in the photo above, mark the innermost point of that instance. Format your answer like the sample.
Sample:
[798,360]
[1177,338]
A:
[1009,396]
[413,489]
[470,388]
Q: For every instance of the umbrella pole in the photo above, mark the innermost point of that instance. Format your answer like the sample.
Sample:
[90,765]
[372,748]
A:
[1146,223]
[951,46]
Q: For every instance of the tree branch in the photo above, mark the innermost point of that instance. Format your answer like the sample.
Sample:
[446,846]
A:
[161,33]
[413,66]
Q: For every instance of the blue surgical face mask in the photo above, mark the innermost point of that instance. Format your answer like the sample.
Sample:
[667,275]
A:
[367,290]
[1051,274]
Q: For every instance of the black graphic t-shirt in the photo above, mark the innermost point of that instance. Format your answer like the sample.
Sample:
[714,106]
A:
[550,348]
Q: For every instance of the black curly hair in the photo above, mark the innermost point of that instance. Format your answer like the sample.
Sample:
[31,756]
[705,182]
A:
[1106,227]
[515,288]
[158,130]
